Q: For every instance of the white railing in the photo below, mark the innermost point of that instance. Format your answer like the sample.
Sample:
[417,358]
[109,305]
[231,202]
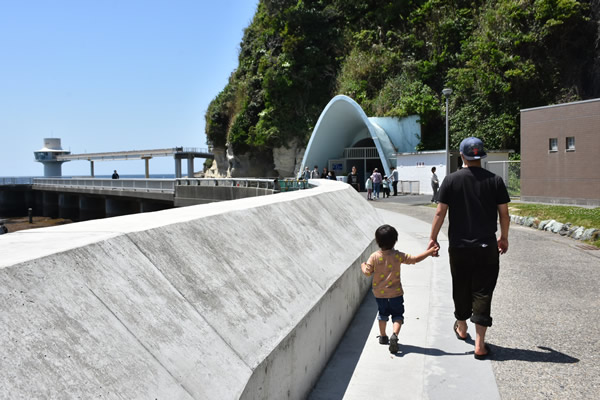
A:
[165,185]
[227,182]
[140,185]
[16,180]
[192,150]
[361,152]
[410,187]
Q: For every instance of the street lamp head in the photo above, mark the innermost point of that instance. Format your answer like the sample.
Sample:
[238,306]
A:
[447,92]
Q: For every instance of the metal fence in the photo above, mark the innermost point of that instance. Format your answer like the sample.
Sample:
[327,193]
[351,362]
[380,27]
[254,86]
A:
[226,182]
[278,185]
[146,185]
[361,152]
[409,187]
[510,172]
[164,185]
[16,181]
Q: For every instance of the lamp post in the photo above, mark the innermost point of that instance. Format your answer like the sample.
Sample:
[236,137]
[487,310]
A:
[447,92]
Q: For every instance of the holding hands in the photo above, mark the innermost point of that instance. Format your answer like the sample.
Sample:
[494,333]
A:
[433,244]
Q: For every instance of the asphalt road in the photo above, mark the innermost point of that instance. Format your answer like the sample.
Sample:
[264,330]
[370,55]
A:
[546,310]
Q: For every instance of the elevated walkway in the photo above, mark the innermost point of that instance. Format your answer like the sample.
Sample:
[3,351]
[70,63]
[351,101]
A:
[178,153]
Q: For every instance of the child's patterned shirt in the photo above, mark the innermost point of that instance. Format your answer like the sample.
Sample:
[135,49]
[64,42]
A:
[385,265]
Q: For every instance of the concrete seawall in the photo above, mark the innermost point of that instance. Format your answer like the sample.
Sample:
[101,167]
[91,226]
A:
[242,299]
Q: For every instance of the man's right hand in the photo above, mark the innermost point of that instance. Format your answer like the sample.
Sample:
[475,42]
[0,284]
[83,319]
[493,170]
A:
[502,245]
[433,244]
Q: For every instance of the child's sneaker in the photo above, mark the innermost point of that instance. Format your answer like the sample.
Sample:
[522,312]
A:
[393,344]
[383,339]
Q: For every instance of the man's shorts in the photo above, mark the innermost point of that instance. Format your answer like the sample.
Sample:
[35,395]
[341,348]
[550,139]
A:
[393,307]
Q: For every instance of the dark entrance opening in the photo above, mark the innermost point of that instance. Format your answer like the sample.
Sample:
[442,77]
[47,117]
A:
[365,166]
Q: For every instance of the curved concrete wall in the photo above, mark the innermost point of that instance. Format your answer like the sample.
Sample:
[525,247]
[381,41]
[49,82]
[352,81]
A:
[335,129]
[241,299]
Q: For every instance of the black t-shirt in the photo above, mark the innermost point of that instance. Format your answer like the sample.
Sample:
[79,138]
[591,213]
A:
[352,178]
[472,195]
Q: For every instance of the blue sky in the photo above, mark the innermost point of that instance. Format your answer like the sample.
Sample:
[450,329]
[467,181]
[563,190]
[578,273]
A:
[112,75]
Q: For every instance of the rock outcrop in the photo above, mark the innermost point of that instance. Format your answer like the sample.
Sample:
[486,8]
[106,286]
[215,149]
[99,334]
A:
[285,163]
[287,160]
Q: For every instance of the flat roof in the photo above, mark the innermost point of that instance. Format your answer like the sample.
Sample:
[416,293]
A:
[560,105]
[137,154]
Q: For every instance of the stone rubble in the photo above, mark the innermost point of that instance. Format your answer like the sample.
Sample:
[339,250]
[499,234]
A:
[563,229]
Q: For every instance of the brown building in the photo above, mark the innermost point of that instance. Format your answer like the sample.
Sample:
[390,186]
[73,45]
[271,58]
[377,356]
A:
[560,153]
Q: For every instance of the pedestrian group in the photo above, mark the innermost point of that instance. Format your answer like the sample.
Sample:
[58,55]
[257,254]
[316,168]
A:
[475,200]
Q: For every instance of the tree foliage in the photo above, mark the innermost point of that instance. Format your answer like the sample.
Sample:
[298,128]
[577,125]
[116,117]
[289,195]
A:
[395,57]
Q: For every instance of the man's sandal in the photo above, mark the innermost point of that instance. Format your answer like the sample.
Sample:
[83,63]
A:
[455,329]
[484,356]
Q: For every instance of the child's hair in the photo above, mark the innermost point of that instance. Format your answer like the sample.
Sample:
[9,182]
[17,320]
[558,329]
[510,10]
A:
[386,237]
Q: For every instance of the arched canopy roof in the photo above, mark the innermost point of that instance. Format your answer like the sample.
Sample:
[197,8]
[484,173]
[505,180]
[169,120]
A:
[341,124]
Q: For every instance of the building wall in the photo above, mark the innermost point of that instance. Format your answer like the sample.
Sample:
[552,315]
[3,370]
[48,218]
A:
[417,166]
[562,176]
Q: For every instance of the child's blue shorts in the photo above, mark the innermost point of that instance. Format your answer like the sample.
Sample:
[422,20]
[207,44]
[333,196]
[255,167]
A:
[393,307]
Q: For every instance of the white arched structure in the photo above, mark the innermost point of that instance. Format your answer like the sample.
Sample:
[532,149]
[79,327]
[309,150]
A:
[343,123]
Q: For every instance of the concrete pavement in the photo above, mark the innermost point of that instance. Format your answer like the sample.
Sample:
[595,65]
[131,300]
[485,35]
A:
[432,363]
[546,313]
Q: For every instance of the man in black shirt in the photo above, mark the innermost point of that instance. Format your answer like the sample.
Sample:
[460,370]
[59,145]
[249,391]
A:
[475,199]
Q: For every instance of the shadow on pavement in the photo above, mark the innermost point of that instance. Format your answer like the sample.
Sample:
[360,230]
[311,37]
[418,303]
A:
[341,365]
[547,356]
[428,351]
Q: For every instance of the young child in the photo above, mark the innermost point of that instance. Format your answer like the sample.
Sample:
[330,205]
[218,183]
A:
[384,265]
[386,186]
[369,187]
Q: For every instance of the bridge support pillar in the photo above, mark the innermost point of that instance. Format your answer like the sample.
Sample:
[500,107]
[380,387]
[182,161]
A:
[116,207]
[68,206]
[91,208]
[190,166]
[50,205]
[147,166]
[177,167]
[92,168]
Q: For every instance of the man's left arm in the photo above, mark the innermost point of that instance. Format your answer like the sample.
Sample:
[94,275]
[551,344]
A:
[504,224]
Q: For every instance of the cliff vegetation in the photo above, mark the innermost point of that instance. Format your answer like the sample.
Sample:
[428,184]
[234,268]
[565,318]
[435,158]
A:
[395,57]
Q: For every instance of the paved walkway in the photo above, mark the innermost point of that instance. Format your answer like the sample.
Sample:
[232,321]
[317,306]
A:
[432,363]
[546,313]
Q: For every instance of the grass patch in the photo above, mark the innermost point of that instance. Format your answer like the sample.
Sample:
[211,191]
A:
[586,217]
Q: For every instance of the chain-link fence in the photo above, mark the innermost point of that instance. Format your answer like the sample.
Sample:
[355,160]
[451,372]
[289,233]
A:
[510,171]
